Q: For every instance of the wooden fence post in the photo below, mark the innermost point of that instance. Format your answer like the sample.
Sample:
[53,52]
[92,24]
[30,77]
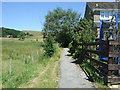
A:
[109,60]
[23,59]
[37,52]
[32,57]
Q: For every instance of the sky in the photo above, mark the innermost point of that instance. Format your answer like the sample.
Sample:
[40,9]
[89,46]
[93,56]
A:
[31,15]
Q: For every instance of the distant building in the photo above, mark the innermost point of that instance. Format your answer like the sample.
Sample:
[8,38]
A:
[102,11]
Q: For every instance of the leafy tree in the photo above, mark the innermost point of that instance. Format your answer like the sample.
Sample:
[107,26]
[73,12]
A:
[21,36]
[60,24]
[84,32]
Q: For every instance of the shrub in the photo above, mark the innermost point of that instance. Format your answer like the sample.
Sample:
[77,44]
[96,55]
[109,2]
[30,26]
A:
[49,46]
[21,36]
[30,34]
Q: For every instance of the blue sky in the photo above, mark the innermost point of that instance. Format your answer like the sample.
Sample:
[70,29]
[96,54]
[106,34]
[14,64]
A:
[31,15]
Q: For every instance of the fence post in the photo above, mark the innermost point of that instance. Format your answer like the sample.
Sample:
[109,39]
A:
[23,60]
[32,57]
[37,52]
[109,60]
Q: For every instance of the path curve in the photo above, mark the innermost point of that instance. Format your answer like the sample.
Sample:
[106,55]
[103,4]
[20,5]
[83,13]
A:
[72,76]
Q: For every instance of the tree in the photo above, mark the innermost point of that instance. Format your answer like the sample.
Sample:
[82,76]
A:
[21,36]
[60,24]
[84,32]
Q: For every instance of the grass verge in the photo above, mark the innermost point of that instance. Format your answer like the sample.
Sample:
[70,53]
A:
[99,81]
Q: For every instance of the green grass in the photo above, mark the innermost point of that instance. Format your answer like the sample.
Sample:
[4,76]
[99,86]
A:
[27,62]
[48,76]
[99,82]
[101,85]
[51,77]
[24,59]
[20,53]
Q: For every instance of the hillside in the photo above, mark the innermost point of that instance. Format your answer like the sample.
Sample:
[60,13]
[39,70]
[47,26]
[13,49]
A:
[36,34]
[5,32]
[29,35]
[32,32]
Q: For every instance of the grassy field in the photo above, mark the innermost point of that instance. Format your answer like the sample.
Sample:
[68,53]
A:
[37,35]
[24,65]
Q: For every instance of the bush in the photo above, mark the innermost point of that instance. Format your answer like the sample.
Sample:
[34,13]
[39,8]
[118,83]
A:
[30,34]
[21,36]
[49,46]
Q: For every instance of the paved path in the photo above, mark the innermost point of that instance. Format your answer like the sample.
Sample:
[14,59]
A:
[72,76]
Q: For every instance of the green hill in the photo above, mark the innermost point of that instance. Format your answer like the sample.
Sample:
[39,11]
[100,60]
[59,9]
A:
[5,32]
[36,34]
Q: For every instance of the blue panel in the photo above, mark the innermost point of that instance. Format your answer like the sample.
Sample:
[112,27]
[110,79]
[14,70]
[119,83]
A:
[101,36]
[106,59]
[118,60]
[101,30]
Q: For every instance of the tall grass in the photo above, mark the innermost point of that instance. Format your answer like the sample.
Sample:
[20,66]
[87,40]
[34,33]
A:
[51,77]
[22,61]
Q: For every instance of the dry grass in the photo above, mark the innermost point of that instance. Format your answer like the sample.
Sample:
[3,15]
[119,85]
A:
[37,35]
